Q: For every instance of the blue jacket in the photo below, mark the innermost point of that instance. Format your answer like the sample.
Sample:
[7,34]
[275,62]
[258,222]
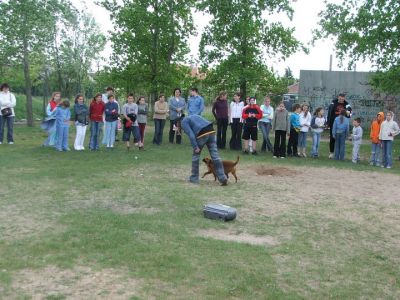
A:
[195,105]
[111,111]
[173,105]
[341,127]
[295,120]
[192,125]
[63,115]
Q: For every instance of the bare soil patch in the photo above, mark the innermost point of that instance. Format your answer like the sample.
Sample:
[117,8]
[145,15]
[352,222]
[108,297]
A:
[275,171]
[225,235]
[78,283]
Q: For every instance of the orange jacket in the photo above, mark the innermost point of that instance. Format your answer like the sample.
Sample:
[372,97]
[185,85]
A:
[376,127]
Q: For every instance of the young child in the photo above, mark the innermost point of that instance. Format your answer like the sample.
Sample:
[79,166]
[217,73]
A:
[294,131]
[375,142]
[96,111]
[305,122]
[250,115]
[81,122]
[63,116]
[142,118]
[111,118]
[356,137]
[317,127]
[281,127]
[389,129]
[340,131]
[130,124]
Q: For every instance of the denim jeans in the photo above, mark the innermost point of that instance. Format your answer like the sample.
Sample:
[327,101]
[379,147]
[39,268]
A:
[316,139]
[110,133]
[303,139]
[95,132]
[158,131]
[387,153]
[265,129]
[62,138]
[10,128]
[375,153]
[209,141]
[340,142]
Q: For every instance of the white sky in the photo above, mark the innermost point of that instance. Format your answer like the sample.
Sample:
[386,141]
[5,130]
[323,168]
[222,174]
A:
[304,20]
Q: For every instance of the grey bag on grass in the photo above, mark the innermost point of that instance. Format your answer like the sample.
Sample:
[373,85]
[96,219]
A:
[219,212]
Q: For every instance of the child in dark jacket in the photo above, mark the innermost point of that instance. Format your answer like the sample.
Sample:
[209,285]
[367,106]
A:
[81,121]
[294,131]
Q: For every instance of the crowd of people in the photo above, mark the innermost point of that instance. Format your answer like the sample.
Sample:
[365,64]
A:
[105,114]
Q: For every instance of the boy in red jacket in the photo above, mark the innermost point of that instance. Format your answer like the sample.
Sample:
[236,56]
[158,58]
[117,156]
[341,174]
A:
[250,115]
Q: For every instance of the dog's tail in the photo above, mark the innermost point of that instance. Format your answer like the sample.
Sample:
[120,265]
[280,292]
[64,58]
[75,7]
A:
[237,160]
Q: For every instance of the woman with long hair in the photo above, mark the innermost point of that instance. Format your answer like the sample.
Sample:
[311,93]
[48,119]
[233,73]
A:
[49,124]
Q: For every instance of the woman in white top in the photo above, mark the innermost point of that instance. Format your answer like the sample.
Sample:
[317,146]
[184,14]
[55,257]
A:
[265,124]
[7,104]
[236,121]
[305,123]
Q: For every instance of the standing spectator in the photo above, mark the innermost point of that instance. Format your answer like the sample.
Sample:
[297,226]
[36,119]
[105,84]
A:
[177,106]
[111,117]
[195,102]
[7,114]
[356,137]
[265,123]
[334,110]
[220,112]
[281,127]
[159,117]
[142,118]
[251,114]
[305,123]
[81,122]
[109,91]
[236,121]
[49,123]
[201,133]
[63,117]
[389,129]
[318,123]
[294,131]
[131,126]
[96,111]
[340,131]
[375,142]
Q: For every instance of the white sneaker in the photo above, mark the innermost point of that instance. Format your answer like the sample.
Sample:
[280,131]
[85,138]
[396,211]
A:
[388,167]
[330,155]
[282,157]
[1,143]
[274,156]
[11,143]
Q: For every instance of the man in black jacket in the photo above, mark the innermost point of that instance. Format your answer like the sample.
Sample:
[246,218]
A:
[334,110]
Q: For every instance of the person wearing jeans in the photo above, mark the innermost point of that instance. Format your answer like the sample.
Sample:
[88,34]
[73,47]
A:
[7,102]
[265,124]
[340,131]
[177,107]
[159,117]
[389,129]
[96,110]
[201,133]
[317,127]
[220,112]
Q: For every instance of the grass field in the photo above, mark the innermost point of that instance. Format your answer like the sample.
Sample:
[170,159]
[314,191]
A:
[127,225]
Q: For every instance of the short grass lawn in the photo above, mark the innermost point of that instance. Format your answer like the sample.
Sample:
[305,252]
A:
[128,225]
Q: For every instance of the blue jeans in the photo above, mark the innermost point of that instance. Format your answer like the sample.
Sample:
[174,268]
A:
[375,153]
[316,139]
[265,129]
[340,142]
[10,128]
[387,153]
[302,139]
[95,132]
[210,142]
[62,138]
[158,131]
[109,136]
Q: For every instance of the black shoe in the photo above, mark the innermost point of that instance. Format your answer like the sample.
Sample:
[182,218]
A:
[224,183]
[245,152]
[254,153]
[296,155]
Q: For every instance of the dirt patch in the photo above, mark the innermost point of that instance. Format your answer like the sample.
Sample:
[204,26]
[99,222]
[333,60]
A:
[239,238]
[78,283]
[275,171]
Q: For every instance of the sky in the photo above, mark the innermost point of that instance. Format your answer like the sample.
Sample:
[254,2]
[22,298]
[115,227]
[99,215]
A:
[304,21]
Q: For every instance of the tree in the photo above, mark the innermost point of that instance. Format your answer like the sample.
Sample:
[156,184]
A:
[25,28]
[366,29]
[152,34]
[240,38]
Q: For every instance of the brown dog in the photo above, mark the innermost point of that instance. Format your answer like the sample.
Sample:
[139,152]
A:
[229,167]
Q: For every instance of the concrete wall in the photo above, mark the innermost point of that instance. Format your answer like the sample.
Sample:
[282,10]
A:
[320,87]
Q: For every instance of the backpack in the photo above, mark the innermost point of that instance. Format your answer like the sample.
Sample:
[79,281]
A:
[313,125]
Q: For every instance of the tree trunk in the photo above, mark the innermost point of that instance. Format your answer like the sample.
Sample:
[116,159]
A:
[28,85]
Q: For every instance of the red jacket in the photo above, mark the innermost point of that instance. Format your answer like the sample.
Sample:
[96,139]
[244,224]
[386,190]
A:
[255,109]
[96,111]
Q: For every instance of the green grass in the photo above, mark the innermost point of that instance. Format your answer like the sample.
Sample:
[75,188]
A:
[20,109]
[110,211]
